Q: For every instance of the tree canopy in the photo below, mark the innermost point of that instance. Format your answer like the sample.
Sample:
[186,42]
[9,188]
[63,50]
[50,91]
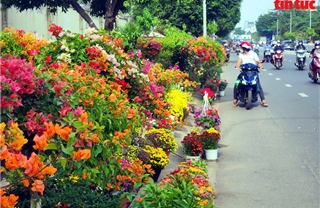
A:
[300,24]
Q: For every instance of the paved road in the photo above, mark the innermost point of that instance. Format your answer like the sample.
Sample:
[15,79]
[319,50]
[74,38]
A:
[269,157]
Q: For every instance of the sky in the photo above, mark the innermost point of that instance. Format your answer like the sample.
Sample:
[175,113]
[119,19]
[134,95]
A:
[252,9]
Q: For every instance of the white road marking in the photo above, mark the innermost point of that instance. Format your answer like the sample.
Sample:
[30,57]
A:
[277,78]
[302,94]
[288,85]
[270,74]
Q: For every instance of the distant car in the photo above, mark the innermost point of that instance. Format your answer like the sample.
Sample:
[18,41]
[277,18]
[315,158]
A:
[288,45]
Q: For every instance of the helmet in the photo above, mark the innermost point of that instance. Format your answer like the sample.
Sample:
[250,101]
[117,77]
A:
[300,42]
[225,44]
[317,45]
[278,43]
[245,45]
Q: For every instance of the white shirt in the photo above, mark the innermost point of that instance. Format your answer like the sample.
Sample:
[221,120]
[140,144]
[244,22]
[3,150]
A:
[250,57]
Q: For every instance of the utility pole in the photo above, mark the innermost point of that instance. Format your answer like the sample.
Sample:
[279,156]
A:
[290,21]
[310,19]
[204,18]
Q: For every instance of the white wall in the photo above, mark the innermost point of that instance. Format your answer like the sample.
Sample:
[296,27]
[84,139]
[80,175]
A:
[38,21]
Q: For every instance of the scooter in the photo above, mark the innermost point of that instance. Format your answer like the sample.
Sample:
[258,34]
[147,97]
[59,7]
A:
[247,84]
[278,59]
[256,50]
[237,50]
[267,55]
[301,59]
[314,66]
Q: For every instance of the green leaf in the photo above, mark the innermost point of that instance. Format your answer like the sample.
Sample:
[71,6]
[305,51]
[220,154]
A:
[51,146]
[63,162]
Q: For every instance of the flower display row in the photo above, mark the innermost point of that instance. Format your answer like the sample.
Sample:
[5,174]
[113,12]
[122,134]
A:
[185,186]
[71,108]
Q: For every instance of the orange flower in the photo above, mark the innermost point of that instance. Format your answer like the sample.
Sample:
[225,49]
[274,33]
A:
[4,152]
[25,182]
[81,155]
[49,170]
[9,201]
[38,186]
[41,142]
[131,113]
[84,117]
[84,175]
[50,130]
[33,165]
[2,126]
[112,97]
[14,161]
[95,138]
[63,132]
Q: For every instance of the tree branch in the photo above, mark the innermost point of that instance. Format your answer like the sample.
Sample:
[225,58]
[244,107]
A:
[83,13]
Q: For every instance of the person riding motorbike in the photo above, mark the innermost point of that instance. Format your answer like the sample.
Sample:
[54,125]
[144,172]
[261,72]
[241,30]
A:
[248,57]
[278,47]
[266,47]
[316,46]
[300,46]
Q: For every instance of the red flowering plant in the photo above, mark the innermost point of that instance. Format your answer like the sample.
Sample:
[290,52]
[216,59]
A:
[210,138]
[207,90]
[149,47]
[191,144]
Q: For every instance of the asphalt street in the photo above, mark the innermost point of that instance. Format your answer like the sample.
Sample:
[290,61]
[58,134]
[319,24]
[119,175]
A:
[269,156]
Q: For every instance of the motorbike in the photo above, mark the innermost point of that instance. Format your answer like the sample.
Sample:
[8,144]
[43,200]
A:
[267,55]
[301,59]
[278,59]
[227,53]
[247,84]
[314,66]
[237,50]
[256,50]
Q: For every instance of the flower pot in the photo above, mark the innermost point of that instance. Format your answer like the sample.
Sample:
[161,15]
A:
[221,93]
[211,154]
[188,157]
[157,172]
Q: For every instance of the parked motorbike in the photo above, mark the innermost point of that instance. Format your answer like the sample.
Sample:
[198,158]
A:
[314,66]
[301,59]
[247,84]
[278,59]
[267,55]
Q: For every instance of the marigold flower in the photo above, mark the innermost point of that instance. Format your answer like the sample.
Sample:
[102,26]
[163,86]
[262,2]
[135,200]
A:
[41,142]
[38,186]
[81,155]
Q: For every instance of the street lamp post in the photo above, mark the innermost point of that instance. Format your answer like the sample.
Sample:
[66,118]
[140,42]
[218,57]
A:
[290,21]
[204,18]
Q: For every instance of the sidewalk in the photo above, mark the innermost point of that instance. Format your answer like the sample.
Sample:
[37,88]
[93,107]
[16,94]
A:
[177,157]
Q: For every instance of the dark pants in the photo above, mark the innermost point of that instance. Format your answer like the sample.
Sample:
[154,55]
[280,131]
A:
[261,93]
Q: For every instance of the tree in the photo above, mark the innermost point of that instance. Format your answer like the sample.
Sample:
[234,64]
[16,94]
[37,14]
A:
[187,14]
[239,31]
[106,8]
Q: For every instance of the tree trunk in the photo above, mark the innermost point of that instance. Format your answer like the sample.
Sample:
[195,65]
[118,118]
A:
[4,18]
[112,10]
[83,13]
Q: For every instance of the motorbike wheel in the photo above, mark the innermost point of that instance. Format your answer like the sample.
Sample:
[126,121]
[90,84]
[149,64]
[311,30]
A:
[249,100]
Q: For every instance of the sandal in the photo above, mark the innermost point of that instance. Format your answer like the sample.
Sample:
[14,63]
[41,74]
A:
[235,103]
[264,104]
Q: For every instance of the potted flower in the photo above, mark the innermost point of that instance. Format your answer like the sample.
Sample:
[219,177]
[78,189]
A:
[207,118]
[211,95]
[210,139]
[162,138]
[158,160]
[192,145]
[222,86]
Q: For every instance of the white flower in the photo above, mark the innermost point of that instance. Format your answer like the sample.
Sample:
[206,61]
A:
[65,57]
[90,31]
